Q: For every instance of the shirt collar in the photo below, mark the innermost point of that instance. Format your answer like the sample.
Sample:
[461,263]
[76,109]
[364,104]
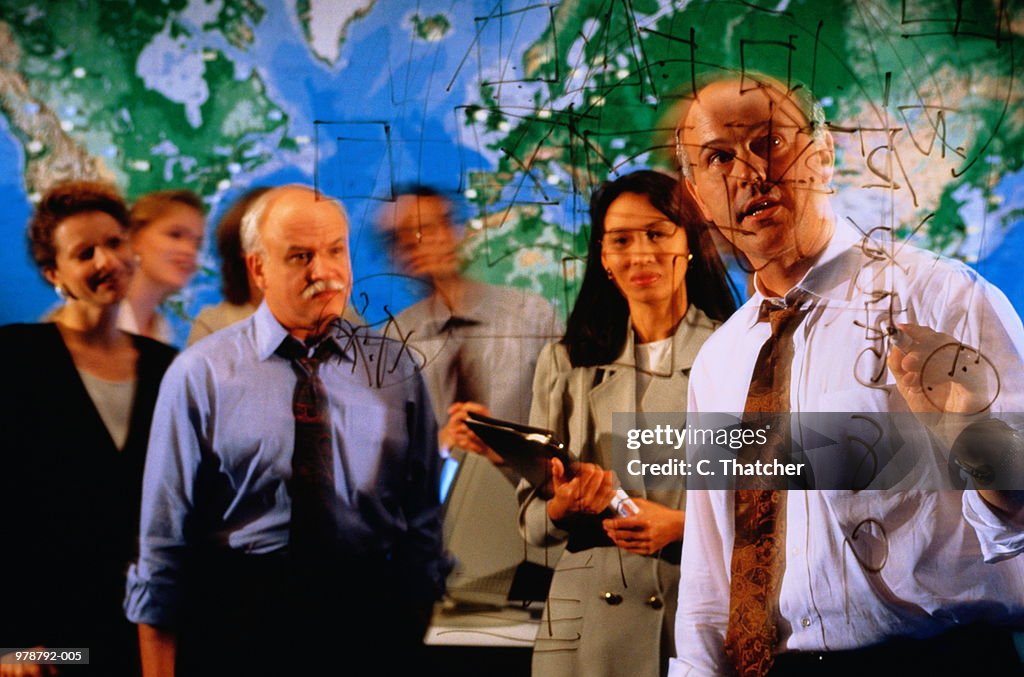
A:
[816,280]
[472,313]
[477,310]
[269,334]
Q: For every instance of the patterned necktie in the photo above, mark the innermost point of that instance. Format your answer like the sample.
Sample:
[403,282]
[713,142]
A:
[758,558]
[313,527]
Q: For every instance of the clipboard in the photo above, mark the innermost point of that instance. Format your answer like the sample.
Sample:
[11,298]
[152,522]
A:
[529,450]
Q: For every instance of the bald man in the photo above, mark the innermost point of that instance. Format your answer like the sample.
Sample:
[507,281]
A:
[838,580]
[290,514]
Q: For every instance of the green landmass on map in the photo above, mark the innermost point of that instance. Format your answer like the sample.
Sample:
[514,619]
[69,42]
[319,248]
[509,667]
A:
[430,28]
[78,61]
[591,97]
[605,81]
[237,21]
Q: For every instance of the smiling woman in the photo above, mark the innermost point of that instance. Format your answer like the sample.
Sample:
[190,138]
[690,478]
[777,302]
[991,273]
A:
[166,233]
[78,397]
[653,291]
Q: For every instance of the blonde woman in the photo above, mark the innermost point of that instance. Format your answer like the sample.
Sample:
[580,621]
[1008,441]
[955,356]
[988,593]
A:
[166,234]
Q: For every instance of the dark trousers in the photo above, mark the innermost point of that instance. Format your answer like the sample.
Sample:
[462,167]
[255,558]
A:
[259,615]
[970,650]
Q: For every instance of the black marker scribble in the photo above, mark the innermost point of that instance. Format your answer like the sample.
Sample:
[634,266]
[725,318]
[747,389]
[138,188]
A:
[865,525]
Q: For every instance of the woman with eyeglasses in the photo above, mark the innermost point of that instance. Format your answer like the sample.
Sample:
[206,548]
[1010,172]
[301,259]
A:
[78,398]
[653,291]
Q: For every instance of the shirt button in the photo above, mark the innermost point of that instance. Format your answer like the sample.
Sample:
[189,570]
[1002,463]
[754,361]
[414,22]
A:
[805,622]
[612,598]
[794,550]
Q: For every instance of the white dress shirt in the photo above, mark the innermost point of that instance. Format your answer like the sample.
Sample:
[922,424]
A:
[861,567]
[126,322]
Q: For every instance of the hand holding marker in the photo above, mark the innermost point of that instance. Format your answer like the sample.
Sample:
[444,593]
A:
[620,502]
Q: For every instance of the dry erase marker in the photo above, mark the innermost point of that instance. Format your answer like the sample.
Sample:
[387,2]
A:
[900,339]
[623,505]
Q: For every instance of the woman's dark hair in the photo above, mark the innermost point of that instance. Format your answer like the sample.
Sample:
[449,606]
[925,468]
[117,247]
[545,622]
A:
[234,276]
[596,331]
[64,201]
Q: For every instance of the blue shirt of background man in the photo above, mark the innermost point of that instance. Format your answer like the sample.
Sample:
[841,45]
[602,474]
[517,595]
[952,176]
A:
[220,452]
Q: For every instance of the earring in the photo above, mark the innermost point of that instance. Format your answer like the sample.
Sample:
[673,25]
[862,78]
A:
[60,292]
[689,257]
[609,271]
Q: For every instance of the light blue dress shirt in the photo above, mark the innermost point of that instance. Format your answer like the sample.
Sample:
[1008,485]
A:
[220,452]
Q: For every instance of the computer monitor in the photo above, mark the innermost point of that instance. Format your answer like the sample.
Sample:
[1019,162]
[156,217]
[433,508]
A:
[481,530]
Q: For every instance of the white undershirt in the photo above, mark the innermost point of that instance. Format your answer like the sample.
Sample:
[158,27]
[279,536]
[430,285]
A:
[113,400]
[651,358]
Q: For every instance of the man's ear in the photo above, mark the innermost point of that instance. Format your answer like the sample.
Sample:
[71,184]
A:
[825,156]
[691,188]
[254,262]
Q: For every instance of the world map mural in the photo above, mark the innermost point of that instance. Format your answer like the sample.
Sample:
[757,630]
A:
[516,109]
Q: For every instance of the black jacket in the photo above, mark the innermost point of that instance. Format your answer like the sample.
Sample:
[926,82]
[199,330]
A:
[69,499]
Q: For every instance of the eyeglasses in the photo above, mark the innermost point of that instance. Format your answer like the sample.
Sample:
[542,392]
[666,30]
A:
[656,234]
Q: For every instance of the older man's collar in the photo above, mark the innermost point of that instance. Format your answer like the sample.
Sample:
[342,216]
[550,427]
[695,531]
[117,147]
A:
[270,334]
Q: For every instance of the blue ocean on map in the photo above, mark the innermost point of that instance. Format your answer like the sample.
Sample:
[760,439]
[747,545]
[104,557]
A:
[392,110]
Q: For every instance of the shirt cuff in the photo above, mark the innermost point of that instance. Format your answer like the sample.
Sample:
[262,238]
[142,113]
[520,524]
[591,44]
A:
[999,538]
[148,602]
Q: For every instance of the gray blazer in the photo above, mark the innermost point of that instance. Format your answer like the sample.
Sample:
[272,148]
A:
[609,612]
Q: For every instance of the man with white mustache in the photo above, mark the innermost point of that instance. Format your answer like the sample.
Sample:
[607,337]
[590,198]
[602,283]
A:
[321,286]
[290,482]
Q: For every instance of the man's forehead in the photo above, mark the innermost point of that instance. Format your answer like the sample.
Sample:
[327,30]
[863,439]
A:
[294,199]
[410,209]
[302,217]
[741,104]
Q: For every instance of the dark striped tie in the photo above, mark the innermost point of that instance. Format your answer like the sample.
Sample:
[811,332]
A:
[313,527]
